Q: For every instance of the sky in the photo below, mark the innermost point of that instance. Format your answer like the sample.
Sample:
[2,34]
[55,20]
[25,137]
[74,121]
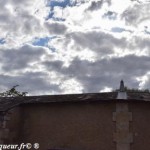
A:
[74,46]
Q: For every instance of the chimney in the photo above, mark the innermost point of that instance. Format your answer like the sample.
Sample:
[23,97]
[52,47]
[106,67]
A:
[122,93]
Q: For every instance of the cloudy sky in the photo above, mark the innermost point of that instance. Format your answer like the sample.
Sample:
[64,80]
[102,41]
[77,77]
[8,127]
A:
[74,46]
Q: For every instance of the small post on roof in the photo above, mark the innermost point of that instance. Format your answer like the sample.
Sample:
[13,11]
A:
[122,89]
[122,93]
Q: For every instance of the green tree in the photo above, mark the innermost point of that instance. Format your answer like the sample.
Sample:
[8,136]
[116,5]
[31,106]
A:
[134,90]
[13,93]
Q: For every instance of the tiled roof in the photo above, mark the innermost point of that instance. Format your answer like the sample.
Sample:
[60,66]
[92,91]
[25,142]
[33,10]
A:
[144,96]
[7,103]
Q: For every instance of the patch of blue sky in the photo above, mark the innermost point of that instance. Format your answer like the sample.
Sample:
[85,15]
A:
[61,3]
[41,41]
[58,3]
[44,42]
[51,16]
[2,41]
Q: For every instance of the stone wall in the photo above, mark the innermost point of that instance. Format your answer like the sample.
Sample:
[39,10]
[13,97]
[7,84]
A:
[81,126]
[140,125]
[112,125]
[122,135]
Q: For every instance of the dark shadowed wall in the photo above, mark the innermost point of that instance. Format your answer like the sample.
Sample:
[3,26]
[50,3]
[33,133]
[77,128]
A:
[81,126]
[78,125]
[140,125]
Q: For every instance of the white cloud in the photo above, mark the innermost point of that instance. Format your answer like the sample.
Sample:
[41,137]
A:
[95,45]
[106,89]
[20,21]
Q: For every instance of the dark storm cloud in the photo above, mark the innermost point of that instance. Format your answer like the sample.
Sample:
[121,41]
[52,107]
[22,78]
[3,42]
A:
[56,28]
[84,52]
[100,42]
[19,59]
[31,82]
[94,76]
[56,65]
[103,73]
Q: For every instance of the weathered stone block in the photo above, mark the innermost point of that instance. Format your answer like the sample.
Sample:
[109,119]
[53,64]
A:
[122,116]
[122,126]
[123,137]
[123,146]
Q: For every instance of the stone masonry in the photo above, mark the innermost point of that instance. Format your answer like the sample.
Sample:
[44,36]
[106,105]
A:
[122,136]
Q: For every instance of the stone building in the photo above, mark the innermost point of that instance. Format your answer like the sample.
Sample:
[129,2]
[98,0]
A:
[95,121]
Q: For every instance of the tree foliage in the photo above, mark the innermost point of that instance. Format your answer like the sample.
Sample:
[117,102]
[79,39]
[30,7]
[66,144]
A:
[13,93]
[134,90]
